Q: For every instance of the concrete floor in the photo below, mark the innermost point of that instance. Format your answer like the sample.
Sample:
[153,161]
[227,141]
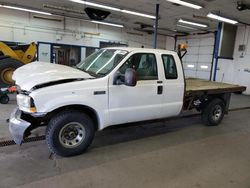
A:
[176,153]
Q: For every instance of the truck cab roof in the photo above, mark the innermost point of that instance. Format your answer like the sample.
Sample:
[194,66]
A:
[149,50]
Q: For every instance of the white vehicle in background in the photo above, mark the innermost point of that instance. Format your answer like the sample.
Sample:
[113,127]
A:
[113,86]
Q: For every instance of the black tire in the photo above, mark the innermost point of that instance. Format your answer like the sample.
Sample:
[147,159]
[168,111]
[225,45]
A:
[4,99]
[8,64]
[57,125]
[213,112]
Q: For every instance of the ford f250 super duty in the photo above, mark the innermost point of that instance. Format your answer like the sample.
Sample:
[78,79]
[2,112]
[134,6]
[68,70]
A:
[113,86]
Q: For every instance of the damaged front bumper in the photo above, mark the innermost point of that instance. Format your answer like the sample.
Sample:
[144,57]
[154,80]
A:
[18,126]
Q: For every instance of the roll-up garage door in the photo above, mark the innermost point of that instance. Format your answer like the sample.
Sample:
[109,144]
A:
[198,61]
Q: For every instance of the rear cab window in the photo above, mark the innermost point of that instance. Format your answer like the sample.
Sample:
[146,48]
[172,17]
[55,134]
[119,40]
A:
[170,68]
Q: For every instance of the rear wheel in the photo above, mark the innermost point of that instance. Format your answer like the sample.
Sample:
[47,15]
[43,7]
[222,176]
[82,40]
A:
[70,133]
[213,112]
[7,67]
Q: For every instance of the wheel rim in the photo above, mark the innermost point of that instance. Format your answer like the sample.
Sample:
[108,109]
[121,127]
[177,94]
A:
[72,135]
[6,75]
[217,113]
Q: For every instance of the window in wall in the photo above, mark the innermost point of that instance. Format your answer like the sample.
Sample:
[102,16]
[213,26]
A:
[112,44]
[90,50]
[169,67]
[66,54]
[144,64]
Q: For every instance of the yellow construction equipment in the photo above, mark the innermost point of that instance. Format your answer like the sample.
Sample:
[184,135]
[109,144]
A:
[13,57]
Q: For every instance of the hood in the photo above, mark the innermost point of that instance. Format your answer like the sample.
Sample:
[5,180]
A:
[38,73]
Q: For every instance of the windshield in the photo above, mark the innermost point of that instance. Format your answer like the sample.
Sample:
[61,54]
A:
[102,62]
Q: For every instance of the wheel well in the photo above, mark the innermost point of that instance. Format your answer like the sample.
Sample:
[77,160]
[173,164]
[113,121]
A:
[221,97]
[224,97]
[85,109]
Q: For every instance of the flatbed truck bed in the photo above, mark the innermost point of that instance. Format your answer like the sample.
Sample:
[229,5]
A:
[198,91]
[196,86]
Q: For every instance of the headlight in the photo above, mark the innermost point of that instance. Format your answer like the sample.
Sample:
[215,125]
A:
[25,103]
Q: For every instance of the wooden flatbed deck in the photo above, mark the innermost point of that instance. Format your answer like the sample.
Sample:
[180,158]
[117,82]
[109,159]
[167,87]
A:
[198,87]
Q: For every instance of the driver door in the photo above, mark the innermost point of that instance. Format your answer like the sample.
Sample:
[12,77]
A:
[139,103]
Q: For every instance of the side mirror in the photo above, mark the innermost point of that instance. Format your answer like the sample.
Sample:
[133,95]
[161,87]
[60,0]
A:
[130,77]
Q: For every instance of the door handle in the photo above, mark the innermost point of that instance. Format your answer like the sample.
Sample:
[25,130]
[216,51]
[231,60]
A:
[159,90]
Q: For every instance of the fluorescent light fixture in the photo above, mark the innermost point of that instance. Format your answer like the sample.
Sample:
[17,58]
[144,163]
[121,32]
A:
[113,8]
[138,14]
[184,3]
[95,5]
[25,9]
[107,23]
[220,18]
[190,66]
[204,67]
[192,23]
[187,27]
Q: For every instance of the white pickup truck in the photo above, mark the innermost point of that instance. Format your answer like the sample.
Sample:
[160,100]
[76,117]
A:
[113,86]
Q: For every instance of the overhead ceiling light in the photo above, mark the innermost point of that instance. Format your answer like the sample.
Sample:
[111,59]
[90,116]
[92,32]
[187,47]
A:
[184,3]
[138,14]
[113,8]
[220,18]
[107,23]
[192,23]
[187,27]
[95,5]
[25,9]
[65,9]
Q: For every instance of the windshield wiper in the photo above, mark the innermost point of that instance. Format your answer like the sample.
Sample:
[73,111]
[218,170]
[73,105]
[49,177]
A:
[78,68]
[90,73]
[101,74]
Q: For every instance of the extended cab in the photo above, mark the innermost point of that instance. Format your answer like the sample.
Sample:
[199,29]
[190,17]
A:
[113,86]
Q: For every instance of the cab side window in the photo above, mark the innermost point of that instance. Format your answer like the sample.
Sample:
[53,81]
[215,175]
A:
[169,67]
[144,64]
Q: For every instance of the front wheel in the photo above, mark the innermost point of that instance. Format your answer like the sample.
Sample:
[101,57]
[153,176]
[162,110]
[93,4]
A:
[4,99]
[7,67]
[213,112]
[70,133]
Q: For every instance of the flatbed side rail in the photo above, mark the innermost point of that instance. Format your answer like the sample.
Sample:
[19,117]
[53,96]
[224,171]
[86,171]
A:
[236,89]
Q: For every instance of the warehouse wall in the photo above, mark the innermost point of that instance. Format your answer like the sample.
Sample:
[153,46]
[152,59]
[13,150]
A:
[21,26]
[170,43]
[237,71]
[197,62]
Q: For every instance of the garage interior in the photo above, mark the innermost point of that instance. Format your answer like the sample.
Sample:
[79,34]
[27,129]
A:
[174,152]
